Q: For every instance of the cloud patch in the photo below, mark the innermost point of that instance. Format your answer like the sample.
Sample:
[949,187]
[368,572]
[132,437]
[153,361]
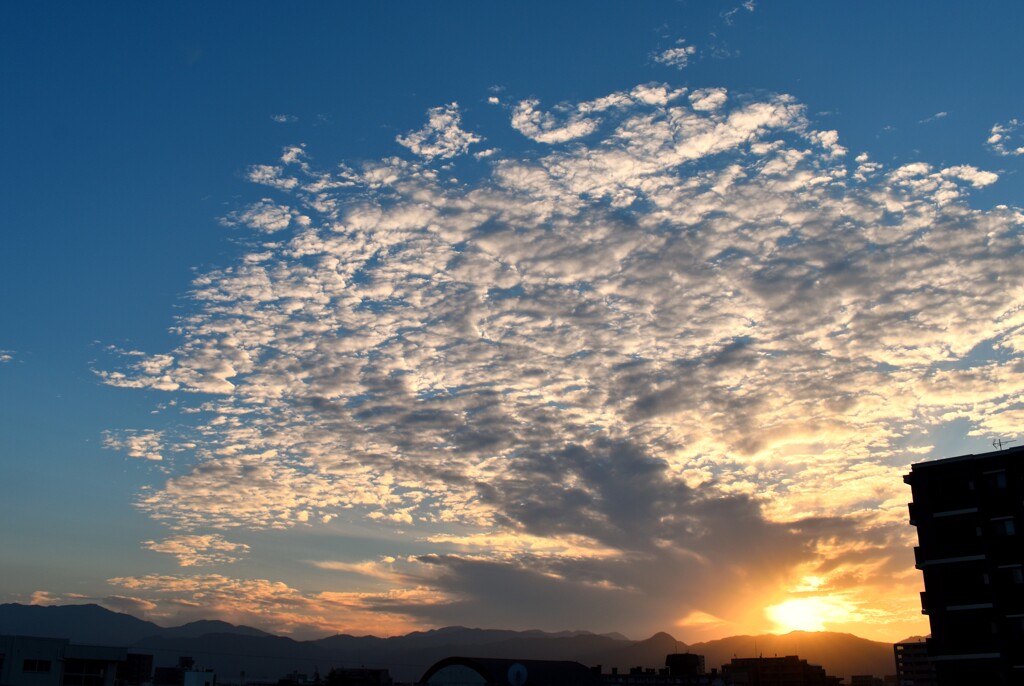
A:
[198,550]
[661,332]
[144,445]
[1003,139]
[678,57]
[442,135]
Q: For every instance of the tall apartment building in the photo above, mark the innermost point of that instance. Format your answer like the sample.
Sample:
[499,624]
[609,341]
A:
[969,514]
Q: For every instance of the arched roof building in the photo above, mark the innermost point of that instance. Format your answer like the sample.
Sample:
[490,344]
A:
[490,671]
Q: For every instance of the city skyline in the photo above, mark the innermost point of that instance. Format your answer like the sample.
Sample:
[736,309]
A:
[373,319]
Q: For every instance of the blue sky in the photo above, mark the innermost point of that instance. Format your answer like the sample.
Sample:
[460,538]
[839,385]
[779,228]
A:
[344,316]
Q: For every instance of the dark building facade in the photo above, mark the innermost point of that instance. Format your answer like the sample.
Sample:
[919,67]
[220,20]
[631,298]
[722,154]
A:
[969,514]
[682,669]
[913,666]
[39,661]
[776,671]
[490,671]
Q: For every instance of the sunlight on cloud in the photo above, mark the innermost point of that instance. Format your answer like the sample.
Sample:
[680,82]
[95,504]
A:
[273,605]
[808,614]
[146,445]
[682,330]
[196,550]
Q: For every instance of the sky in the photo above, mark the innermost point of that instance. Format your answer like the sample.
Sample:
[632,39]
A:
[380,317]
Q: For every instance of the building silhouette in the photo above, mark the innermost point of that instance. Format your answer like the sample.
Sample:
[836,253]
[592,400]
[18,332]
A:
[681,669]
[969,511]
[776,671]
[913,666]
[491,671]
[37,661]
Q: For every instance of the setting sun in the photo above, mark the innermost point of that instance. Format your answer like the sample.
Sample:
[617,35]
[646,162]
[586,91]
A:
[807,614]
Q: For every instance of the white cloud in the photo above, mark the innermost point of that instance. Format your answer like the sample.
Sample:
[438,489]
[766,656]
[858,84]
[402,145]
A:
[194,549]
[442,136]
[623,340]
[146,445]
[545,128]
[267,216]
[1003,138]
[284,118]
[6,356]
[829,140]
[934,117]
[270,175]
[678,57]
[708,99]
[973,175]
[729,16]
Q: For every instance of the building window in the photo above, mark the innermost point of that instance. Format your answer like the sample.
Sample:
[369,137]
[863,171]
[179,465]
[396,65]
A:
[84,673]
[37,666]
[996,480]
[1005,527]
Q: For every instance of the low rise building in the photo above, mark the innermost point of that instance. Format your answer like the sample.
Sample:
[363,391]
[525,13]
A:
[776,671]
[35,661]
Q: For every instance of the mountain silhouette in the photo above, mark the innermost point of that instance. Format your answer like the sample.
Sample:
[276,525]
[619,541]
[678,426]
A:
[92,624]
[230,649]
[840,654]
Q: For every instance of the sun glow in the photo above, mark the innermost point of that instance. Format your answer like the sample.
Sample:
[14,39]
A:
[808,614]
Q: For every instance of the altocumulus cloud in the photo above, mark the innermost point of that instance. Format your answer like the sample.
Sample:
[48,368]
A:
[683,348]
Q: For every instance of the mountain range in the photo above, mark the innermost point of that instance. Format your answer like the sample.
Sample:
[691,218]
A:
[230,650]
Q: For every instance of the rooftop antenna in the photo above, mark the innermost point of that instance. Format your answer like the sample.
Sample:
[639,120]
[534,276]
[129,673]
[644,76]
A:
[999,443]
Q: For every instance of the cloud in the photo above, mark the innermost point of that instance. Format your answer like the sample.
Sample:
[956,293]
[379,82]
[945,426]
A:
[1002,139]
[678,57]
[137,607]
[729,16]
[266,216]
[196,550]
[708,99]
[935,117]
[272,605]
[6,356]
[44,598]
[442,136]
[146,445]
[683,337]
[283,118]
[545,128]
